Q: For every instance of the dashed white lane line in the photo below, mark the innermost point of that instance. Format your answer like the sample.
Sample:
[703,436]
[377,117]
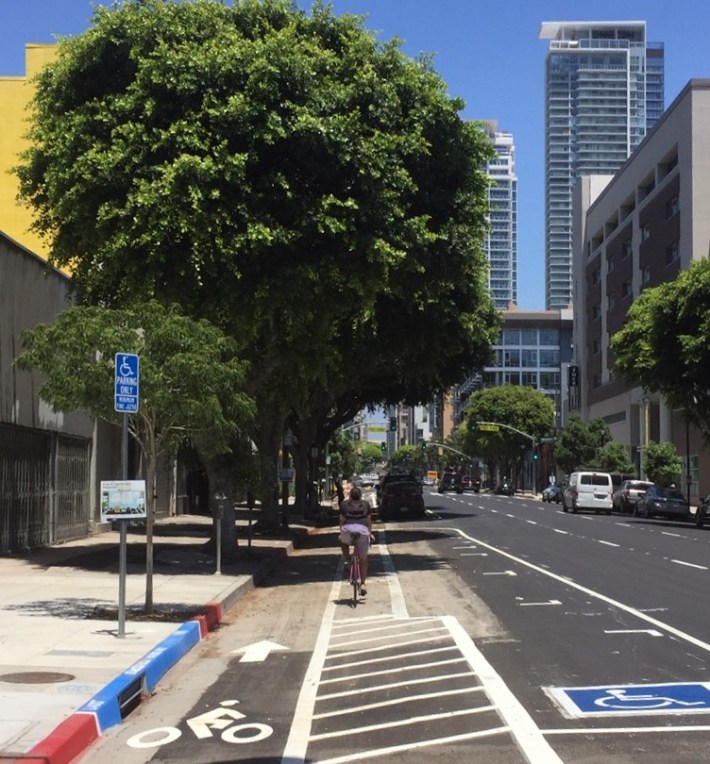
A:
[689,564]
[609,543]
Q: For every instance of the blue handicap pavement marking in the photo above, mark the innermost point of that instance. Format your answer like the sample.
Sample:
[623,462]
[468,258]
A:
[634,699]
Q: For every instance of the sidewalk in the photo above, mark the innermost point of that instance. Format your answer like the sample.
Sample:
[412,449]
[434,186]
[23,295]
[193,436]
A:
[65,674]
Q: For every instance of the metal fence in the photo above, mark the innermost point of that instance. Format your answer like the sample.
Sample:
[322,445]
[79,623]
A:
[44,488]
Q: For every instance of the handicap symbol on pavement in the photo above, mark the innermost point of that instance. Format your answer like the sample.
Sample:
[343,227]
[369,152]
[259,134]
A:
[633,699]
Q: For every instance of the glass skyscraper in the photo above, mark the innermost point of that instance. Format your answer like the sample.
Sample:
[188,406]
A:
[501,243]
[604,88]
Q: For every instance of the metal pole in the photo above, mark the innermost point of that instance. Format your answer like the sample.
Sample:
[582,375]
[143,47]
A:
[688,480]
[122,565]
[218,537]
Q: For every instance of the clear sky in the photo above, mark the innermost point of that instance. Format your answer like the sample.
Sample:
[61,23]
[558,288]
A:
[487,52]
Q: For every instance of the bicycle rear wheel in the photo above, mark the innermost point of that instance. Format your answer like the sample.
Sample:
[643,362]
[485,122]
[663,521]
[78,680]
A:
[355,577]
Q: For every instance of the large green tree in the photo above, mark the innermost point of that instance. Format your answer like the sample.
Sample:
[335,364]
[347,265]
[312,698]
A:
[661,463]
[664,346]
[580,443]
[191,383]
[526,413]
[308,189]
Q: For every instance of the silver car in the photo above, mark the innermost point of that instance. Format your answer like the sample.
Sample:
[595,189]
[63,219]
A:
[628,493]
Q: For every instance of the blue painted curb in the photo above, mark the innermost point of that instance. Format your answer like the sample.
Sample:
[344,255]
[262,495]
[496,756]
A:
[142,676]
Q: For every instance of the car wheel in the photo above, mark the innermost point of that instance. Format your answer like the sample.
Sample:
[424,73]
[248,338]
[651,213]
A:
[648,515]
[607,512]
[637,511]
[574,507]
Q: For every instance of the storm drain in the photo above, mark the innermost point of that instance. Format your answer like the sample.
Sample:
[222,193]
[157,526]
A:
[36,677]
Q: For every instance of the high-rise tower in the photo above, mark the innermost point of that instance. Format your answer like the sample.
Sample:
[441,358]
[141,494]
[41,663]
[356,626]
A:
[604,89]
[501,243]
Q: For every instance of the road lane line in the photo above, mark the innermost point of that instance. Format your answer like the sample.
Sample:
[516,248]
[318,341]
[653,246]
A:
[389,671]
[388,646]
[690,564]
[362,641]
[608,543]
[384,659]
[586,590]
[526,733]
[394,685]
[399,701]
[399,607]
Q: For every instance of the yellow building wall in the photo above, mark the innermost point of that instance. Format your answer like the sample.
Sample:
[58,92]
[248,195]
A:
[15,96]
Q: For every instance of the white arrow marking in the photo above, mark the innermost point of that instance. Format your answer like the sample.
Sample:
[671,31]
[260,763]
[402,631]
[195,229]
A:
[652,632]
[259,651]
[501,573]
[535,604]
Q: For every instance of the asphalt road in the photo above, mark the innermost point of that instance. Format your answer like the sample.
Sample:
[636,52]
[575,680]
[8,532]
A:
[497,628]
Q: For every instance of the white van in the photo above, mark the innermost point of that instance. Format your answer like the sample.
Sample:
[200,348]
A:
[588,490]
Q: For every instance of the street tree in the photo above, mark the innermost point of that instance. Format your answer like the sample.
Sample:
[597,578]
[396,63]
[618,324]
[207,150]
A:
[664,346]
[310,190]
[661,463]
[614,457]
[580,443]
[191,384]
[521,408]
[409,458]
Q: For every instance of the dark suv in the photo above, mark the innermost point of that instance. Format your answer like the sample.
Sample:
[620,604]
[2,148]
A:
[450,481]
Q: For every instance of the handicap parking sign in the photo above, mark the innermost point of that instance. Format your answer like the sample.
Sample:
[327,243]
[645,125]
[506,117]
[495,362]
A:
[633,699]
[127,382]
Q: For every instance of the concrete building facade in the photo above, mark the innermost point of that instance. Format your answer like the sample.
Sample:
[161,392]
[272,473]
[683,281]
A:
[635,230]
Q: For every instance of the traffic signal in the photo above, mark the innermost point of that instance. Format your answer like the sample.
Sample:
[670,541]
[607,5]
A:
[536,454]
[393,424]
[472,425]
[383,447]
[423,446]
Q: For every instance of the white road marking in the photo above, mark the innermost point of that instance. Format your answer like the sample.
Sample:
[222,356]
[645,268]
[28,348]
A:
[675,535]
[500,573]
[689,564]
[389,671]
[399,607]
[474,554]
[535,604]
[622,730]
[651,632]
[408,630]
[394,685]
[586,590]
[608,543]
[564,533]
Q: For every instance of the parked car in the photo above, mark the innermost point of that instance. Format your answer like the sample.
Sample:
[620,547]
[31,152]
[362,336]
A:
[401,497]
[450,481]
[588,490]
[663,502]
[504,488]
[552,493]
[702,513]
[392,477]
[426,480]
[627,494]
[470,483]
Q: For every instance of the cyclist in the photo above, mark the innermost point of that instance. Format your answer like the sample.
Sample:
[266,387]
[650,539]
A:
[356,517]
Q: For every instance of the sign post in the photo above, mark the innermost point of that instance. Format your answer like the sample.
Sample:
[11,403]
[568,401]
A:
[126,386]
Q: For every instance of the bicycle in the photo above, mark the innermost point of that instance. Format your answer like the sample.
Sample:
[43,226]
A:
[354,576]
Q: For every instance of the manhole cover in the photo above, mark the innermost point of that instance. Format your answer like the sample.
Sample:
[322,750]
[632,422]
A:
[36,677]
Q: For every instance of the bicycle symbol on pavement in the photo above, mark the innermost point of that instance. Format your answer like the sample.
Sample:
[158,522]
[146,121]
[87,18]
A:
[222,718]
[675,698]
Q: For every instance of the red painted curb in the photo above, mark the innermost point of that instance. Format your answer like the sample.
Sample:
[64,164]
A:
[202,620]
[72,737]
[213,615]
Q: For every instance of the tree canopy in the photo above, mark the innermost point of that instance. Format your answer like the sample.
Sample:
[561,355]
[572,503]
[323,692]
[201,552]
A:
[580,443]
[664,345]
[309,190]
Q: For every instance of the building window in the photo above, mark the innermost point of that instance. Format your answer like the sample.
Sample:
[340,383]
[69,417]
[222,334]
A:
[645,275]
[626,288]
[672,253]
[550,337]
[596,347]
[672,206]
[549,380]
[529,358]
[511,336]
[597,380]
[626,248]
[611,301]
[530,379]
[511,378]
[596,311]
[596,276]
[512,357]
[645,232]
[549,359]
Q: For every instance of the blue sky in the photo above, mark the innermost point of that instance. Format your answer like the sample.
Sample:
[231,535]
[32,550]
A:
[487,52]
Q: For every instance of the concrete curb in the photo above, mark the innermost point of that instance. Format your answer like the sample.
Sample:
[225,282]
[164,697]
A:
[111,705]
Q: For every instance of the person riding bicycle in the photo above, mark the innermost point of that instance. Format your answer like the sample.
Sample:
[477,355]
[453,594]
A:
[356,517]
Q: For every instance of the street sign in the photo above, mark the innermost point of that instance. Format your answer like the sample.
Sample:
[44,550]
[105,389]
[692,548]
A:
[122,500]
[634,699]
[548,440]
[127,382]
[488,427]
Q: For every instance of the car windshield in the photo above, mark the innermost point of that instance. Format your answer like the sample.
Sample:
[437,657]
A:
[671,493]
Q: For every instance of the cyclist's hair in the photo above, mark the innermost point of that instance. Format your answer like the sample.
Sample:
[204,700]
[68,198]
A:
[355,493]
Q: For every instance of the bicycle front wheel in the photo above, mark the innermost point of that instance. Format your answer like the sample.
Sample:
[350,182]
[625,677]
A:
[355,579]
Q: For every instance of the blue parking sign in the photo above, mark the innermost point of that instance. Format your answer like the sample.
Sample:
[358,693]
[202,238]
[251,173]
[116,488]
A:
[634,699]
[127,375]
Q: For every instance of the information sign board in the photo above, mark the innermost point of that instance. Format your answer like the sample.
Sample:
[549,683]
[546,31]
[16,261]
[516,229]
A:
[122,500]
